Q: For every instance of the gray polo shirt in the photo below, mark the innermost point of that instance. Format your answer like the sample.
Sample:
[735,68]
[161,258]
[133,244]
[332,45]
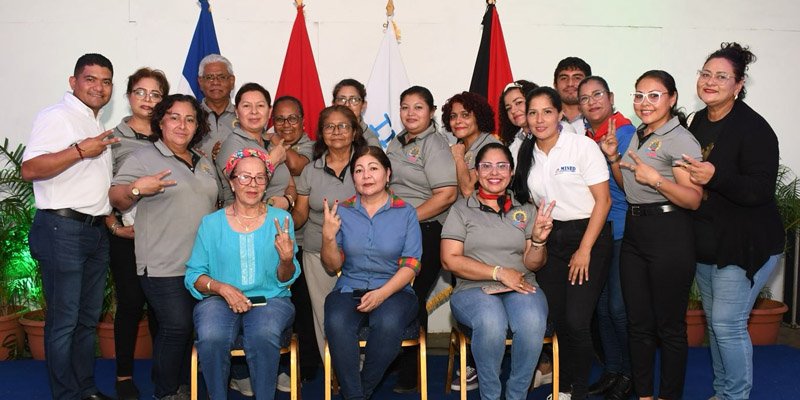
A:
[303,147]
[318,182]
[221,126]
[490,237]
[166,223]
[369,135]
[661,150]
[421,165]
[239,140]
[128,142]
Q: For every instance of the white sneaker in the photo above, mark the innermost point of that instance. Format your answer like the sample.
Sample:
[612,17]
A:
[540,379]
[242,386]
[472,379]
[561,396]
[284,383]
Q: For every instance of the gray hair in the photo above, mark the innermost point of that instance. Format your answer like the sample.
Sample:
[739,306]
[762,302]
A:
[214,58]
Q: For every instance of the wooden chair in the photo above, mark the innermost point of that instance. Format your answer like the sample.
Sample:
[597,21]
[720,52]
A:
[458,338]
[414,335]
[290,346]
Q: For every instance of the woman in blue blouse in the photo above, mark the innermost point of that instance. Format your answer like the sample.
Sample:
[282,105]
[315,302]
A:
[374,239]
[241,268]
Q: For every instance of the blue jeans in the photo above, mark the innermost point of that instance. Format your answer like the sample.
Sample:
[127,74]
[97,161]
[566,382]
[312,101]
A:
[490,317]
[386,325]
[728,297]
[172,346]
[73,258]
[613,321]
[261,328]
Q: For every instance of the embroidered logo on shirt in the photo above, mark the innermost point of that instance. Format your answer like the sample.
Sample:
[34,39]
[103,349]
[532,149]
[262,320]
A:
[652,147]
[520,219]
[468,157]
[566,169]
[413,153]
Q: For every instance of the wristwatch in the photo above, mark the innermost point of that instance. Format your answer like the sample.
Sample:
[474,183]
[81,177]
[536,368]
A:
[135,191]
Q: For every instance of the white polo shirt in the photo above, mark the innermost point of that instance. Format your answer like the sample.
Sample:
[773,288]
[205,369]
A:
[564,175]
[520,136]
[83,186]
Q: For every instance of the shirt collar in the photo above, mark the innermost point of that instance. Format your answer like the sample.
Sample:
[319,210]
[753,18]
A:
[76,104]
[229,109]
[673,123]
[393,202]
[402,137]
[126,131]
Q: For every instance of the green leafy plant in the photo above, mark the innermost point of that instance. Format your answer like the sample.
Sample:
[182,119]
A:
[787,196]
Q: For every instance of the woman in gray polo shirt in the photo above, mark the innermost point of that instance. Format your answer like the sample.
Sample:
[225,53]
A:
[657,260]
[493,245]
[326,177]
[173,187]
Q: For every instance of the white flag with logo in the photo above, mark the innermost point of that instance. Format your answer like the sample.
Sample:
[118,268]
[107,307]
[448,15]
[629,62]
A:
[387,81]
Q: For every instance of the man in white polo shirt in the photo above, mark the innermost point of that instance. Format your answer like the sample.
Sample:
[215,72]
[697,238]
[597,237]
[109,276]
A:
[69,162]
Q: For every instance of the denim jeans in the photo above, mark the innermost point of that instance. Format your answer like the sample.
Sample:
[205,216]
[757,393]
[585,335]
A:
[261,328]
[73,258]
[728,297]
[172,346]
[613,321]
[386,325]
[491,317]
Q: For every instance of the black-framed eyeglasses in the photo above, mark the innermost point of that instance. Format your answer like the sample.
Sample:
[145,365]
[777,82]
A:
[342,127]
[292,120]
[596,96]
[353,101]
[142,93]
[245,180]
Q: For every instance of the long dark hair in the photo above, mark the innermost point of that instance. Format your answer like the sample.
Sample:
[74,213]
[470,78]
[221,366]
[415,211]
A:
[669,82]
[507,128]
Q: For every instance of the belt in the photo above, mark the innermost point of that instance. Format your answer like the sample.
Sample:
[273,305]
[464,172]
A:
[643,210]
[78,216]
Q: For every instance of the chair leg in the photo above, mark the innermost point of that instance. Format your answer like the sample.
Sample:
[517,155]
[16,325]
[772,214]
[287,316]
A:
[462,347]
[451,353]
[423,365]
[193,384]
[555,367]
[327,366]
[294,370]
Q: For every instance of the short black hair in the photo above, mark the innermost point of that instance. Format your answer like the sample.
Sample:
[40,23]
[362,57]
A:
[572,63]
[92,59]
[291,99]
[160,111]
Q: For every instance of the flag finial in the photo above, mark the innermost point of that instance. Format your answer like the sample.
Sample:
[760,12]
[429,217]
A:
[298,3]
[389,8]
[491,2]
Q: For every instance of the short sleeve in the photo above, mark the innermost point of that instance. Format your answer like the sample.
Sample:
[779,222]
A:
[531,211]
[305,148]
[595,168]
[47,135]
[440,169]
[132,169]
[454,226]
[684,143]
[302,184]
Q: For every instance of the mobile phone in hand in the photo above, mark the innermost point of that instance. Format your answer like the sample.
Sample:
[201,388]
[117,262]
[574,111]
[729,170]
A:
[258,301]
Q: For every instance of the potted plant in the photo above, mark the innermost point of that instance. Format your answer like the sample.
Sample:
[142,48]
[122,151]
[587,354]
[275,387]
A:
[16,266]
[695,318]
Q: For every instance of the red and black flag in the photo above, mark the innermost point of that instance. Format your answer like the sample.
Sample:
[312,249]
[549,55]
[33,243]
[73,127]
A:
[492,70]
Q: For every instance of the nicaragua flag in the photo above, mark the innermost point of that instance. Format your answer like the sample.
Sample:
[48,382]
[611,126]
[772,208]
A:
[492,70]
[387,81]
[204,42]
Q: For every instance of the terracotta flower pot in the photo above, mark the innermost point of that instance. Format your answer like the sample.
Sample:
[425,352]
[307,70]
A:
[33,323]
[695,327]
[144,343]
[12,337]
[765,321]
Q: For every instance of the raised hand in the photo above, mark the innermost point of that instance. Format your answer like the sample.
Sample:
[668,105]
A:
[278,153]
[609,145]
[94,146]
[643,173]
[150,185]
[331,221]
[543,224]
[458,150]
[700,172]
[283,242]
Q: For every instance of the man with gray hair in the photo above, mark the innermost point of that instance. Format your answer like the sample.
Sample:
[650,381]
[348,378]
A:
[216,79]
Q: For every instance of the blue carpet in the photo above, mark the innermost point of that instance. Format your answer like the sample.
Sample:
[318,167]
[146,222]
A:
[776,376]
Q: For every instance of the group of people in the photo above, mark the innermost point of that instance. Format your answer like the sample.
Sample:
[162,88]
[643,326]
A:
[244,234]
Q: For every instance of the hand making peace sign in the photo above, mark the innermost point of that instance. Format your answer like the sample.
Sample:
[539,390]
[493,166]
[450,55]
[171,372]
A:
[331,221]
[283,242]
[644,174]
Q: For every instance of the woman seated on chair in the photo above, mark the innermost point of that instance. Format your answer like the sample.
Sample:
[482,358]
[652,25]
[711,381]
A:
[493,245]
[375,241]
[241,268]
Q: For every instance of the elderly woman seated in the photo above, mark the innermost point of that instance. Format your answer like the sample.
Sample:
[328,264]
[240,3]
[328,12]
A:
[241,268]
[493,245]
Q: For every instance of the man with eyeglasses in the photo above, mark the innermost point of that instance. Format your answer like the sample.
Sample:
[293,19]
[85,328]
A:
[353,95]
[216,79]
[568,75]
[69,161]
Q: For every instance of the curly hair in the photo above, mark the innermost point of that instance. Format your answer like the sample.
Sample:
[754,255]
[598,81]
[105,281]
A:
[320,147]
[161,109]
[507,128]
[740,58]
[474,103]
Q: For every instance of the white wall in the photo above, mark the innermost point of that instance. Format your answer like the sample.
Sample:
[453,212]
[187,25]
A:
[620,39]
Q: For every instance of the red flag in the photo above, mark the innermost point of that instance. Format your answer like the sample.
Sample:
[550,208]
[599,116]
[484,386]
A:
[299,76]
[492,70]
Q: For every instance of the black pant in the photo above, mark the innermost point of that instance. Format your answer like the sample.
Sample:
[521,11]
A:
[572,306]
[304,325]
[657,265]
[130,303]
[423,284]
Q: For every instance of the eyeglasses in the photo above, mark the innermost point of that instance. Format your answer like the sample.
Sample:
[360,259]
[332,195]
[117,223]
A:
[596,96]
[245,180]
[142,94]
[485,166]
[292,120]
[353,101]
[342,127]
[719,77]
[652,97]
[218,77]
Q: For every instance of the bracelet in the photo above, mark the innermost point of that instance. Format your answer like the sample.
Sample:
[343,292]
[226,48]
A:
[114,227]
[494,272]
[80,151]
[617,157]
[208,285]
[658,184]
[538,244]
[290,200]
